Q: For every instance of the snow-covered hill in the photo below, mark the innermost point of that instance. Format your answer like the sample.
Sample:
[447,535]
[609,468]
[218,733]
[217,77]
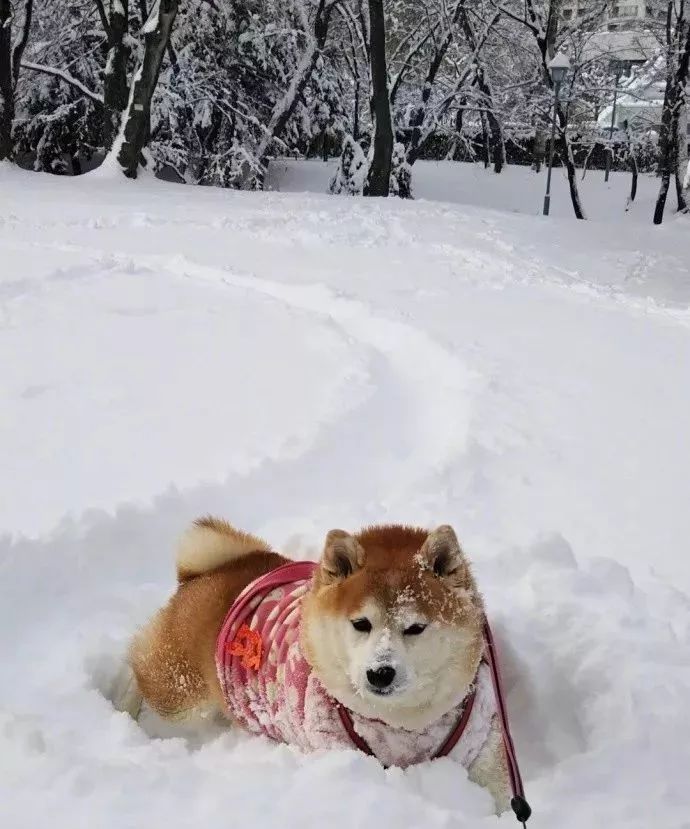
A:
[297,362]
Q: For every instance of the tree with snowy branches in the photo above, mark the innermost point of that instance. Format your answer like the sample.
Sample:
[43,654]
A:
[14,17]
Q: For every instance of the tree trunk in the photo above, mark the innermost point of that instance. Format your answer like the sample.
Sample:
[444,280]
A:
[585,166]
[682,152]
[10,64]
[454,151]
[661,198]
[378,181]
[571,170]
[460,115]
[572,178]
[416,122]
[680,193]
[680,147]
[485,139]
[75,162]
[546,43]
[538,148]
[668,138]
[632,160]
[116,90]
[666,164]
[355,118]
[545,33]
[6,82]
[663,141]
[673,99]
[496,142]
[633,183]
[137,116]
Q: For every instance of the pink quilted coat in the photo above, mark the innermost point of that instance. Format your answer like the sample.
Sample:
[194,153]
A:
[270,688]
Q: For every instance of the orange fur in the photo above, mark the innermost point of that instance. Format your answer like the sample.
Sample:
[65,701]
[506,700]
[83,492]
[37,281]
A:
[393,563]
[173,656]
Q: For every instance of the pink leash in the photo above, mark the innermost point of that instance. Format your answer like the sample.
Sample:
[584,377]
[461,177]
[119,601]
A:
[518,802]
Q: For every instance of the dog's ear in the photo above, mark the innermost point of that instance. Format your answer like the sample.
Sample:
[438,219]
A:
[441,553]
[342,555]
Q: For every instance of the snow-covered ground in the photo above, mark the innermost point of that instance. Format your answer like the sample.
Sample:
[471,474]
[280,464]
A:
[297,362]
[516,190]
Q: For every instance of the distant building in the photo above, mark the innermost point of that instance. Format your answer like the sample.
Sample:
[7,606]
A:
[619,14]
[625,35]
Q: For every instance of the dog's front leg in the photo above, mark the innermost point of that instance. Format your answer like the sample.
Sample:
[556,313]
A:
[490,769]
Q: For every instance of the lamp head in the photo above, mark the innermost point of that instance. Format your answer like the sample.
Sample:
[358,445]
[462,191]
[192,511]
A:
[558,67]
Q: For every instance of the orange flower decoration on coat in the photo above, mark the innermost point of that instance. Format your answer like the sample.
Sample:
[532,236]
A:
[248,646]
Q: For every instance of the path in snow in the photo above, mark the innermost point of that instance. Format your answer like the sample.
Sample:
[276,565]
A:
[298,363]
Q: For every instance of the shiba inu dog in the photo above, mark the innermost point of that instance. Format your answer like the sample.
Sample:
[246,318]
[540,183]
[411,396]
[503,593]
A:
[380,644]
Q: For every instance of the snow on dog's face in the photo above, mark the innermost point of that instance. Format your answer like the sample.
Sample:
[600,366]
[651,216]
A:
[393,624]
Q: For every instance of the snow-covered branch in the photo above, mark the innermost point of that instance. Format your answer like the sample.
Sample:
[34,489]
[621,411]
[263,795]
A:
[534,24]
[66,77]
[447,101]
[407,61]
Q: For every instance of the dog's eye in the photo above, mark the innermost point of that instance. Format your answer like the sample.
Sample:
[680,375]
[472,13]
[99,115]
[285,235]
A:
[361,625]
[414,630]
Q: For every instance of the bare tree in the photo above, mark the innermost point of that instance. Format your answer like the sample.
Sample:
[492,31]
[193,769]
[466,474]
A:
[431,45]
[136,119]
[541,19]
[284,109]
[378,181]
[10,64]
[115,87]
[678,61]
[459,91]
[496,143]
[682,177]
[436,60]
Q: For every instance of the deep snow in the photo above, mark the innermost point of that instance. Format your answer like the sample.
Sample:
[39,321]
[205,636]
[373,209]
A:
[297,362]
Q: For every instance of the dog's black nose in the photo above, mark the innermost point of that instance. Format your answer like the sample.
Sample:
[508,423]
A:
[381,677]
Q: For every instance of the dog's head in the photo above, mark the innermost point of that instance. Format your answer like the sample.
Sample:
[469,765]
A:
[393,624]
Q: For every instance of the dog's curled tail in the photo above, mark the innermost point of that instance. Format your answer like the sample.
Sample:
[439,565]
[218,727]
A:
[210,543]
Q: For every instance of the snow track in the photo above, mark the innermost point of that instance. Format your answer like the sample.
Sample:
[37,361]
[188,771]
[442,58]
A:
[295,364]
[423,380]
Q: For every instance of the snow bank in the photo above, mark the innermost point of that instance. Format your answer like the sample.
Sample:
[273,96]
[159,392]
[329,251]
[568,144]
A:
[295,363]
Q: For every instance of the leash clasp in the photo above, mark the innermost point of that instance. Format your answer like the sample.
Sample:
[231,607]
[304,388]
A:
[521,808]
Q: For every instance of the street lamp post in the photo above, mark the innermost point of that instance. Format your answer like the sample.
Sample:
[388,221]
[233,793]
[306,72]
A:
[618,67]
[558,69]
